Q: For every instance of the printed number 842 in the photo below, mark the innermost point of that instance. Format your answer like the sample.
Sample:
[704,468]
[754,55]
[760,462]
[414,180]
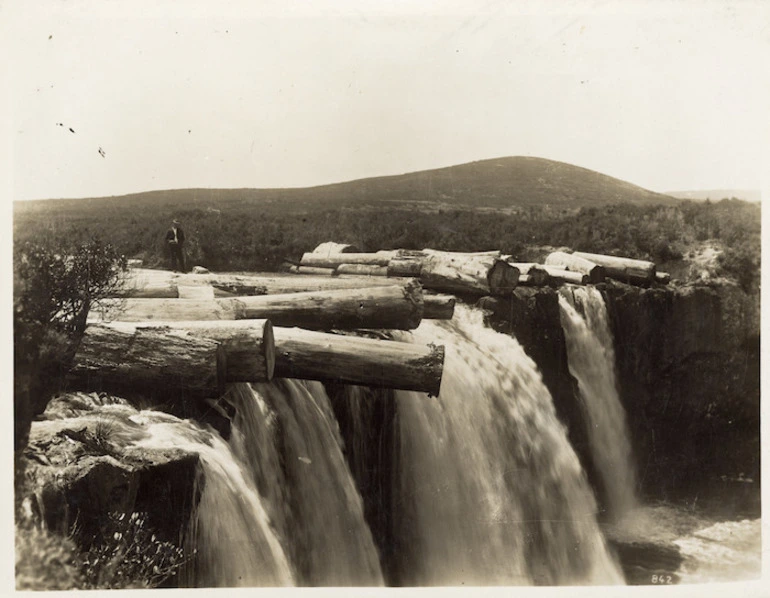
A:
[662,579]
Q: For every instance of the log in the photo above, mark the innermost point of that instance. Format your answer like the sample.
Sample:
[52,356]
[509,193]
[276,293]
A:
[622,268]
[312,355]
[449,254]
[362,270]
[249,345]
[332,247]
[484,274]
[438,307]
[148,361]
[662,277]
[195,292]
[531,274]
[398,306]
[157,291]
[312,271]
[559,275]
[333,260]
[278,285]
[576,263]
[405,266]
[139,310]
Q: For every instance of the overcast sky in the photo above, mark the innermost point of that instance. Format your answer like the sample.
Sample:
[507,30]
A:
[667,95]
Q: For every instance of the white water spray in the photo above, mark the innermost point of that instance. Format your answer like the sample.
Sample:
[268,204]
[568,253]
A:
[488,488]
[592,362]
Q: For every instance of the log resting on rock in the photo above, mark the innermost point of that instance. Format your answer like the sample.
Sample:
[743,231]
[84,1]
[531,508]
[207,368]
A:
[639,272]
[249,344]
[477,274]
[575,263]
[397,306]
[148,361]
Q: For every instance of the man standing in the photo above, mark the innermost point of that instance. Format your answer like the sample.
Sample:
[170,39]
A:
[175,241]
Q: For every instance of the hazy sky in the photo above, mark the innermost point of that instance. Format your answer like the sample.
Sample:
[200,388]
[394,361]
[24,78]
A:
[667,95]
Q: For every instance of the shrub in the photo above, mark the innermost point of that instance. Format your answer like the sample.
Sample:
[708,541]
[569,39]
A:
[129,555]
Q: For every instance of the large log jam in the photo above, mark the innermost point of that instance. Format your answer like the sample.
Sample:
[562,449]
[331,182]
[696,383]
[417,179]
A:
[480,274]
[249,345]
[149,361]
[575,263]
[354,360]
[622,268]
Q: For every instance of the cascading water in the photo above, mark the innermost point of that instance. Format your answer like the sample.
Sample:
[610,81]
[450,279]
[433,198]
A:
[488,489]
[278,505]
[592,362]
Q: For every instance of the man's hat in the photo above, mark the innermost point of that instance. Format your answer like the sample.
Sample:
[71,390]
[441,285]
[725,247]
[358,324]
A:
[175,222]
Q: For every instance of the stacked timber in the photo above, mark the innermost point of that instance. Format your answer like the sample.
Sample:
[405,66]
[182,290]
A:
[573,262]
[398,307]
[638,272]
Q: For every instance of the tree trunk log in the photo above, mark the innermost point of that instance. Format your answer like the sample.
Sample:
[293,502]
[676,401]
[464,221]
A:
[312,271]
[335,259]
[156,291]
[622,268]
[141,310]
[535,275]
[405,266]
[398,307]
[560,275]
[576,263]
[362,270]
[438,307]
[249,344]
[484,274]
[198,292]
[331,247]
[354,360]
[662,277]
[148,361]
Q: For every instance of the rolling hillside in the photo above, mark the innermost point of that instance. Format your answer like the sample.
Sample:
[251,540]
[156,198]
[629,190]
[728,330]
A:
[501,183]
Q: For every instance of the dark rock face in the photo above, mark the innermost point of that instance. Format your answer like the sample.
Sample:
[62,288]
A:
[688,369]
[367,419]
[82,468]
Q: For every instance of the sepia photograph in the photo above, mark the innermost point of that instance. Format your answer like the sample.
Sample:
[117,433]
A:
[357,295]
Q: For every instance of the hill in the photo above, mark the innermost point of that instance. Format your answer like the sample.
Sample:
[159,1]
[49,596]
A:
[502,183]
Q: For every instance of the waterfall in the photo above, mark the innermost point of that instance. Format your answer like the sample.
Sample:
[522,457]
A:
[230,530]
[592,362]
[277,504]
[487,488]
